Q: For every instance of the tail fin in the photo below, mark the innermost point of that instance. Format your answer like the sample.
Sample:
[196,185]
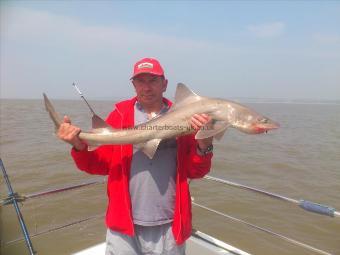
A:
[53,114]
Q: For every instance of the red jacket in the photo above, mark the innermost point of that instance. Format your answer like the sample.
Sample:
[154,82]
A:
[115,161]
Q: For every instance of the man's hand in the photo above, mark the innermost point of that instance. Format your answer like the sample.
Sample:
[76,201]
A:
[198,121]
[70,134]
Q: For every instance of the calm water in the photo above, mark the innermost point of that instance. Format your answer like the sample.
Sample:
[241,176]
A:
[301,160]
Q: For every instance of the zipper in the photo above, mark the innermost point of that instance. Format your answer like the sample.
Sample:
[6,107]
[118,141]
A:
[128,177]
[179,195]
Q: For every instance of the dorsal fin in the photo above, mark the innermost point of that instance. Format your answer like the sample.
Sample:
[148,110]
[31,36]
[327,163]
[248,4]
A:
[184,94]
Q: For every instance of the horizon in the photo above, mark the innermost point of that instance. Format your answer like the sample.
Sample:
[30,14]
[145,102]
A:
[248,49]
[235,99]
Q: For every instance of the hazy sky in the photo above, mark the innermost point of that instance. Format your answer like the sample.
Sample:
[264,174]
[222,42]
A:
[227,49]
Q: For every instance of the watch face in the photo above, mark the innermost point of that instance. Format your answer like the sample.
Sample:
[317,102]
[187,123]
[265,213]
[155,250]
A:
[210,148]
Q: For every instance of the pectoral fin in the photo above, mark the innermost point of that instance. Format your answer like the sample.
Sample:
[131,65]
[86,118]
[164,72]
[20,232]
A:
[219,136]
[217,130]
[150,147]
[137,147]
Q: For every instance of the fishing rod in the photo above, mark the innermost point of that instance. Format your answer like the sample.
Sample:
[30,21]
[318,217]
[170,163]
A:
[97,122]
[81,95]
[264,230]
[304,204]
[12,198]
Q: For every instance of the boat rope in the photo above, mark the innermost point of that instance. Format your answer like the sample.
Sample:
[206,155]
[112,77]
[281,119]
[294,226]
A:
[21,198]
[12,198]
[304,204]
[263,229]
[49,192]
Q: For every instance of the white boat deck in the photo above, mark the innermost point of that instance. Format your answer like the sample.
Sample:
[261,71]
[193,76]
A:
[198,244]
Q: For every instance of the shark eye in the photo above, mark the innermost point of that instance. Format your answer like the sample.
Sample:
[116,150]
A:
[264,120]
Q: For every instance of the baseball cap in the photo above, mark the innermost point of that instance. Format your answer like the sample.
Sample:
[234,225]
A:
[147,65]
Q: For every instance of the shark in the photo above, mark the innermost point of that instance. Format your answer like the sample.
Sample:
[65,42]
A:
[175,122]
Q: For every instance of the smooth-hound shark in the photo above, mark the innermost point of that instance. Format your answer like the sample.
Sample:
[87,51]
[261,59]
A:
[175,122]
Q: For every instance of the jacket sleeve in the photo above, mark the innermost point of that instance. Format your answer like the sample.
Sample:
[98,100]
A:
[99,160]
[94,162]
[198,165]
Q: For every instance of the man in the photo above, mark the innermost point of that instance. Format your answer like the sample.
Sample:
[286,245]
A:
[149,209]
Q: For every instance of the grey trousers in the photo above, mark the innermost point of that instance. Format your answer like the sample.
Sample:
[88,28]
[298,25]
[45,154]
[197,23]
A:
[153,240]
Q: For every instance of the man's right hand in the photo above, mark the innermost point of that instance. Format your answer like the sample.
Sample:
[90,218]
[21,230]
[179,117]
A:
[70,134]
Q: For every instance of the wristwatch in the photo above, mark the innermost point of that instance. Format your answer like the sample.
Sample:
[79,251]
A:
[207,150]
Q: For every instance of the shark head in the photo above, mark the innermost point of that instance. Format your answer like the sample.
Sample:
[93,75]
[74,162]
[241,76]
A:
[245,119]
[224,114]
[263,125]
[256,124]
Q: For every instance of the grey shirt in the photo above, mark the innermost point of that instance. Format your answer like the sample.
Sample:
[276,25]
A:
[152,181]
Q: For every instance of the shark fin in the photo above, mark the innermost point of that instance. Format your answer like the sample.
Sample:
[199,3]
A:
[150,147]
[219,136]
[53,114]
[100,126]
[137,147]
[183,92]
[217,130]
[184,95]
[98,122]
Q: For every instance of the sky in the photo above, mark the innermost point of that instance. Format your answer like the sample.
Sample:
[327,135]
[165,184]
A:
[225,49]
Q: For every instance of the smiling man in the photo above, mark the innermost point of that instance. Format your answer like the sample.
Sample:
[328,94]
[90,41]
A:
[149,209]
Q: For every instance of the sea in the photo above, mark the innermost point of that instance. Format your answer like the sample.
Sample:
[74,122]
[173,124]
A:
[300,160]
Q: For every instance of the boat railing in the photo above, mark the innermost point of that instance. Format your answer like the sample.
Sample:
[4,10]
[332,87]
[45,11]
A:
[14,198]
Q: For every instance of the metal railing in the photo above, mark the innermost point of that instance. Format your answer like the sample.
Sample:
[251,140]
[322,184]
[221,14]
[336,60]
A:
[12,199]
[304,204]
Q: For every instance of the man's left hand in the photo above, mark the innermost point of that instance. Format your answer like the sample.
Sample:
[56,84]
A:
[197,122]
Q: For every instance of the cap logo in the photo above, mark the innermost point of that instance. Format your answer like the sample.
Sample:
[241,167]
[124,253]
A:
[145,65]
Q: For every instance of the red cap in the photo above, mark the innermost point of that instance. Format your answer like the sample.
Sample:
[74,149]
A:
[147,65]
